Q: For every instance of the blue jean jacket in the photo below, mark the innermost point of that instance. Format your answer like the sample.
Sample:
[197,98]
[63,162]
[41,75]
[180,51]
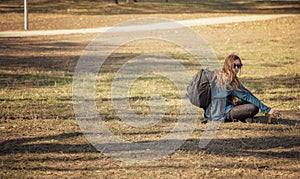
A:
[221,102]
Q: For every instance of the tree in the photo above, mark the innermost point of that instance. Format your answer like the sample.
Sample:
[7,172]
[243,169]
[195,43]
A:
[131,1]
[127,1]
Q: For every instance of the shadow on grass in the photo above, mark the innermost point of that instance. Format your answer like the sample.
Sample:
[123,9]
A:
[231,146]
[263,147]
[264,120]
[21,145]
[50,55]
[290,82]
[90,7]
[280,147]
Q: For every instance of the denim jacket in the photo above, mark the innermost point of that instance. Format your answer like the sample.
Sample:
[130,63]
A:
[221,102]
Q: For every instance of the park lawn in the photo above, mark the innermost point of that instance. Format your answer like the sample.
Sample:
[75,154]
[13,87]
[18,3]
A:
[40,136]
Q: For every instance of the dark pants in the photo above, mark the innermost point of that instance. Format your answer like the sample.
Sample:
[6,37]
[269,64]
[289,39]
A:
[242,112]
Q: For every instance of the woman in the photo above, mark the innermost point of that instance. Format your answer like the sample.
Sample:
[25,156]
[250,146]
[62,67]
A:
[230,99]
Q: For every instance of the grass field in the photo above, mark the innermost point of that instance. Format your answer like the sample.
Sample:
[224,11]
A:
[41,138]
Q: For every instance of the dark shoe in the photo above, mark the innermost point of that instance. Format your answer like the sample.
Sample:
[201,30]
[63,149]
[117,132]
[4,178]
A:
[260,119]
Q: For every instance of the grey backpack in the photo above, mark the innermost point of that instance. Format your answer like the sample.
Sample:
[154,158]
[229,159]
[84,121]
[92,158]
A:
[199,89]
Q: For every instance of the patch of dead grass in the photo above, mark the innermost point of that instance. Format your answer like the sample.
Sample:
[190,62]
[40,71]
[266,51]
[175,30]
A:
[49,143]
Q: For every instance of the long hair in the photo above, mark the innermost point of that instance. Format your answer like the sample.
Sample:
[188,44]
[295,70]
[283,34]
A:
[229,77]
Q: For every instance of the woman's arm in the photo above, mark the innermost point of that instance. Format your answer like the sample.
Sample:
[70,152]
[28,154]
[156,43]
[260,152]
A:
[246,95]
[249,97]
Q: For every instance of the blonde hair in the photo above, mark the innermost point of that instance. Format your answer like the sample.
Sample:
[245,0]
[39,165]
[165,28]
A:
[227,78]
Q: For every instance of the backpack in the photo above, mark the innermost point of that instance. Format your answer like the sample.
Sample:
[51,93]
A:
[199,89]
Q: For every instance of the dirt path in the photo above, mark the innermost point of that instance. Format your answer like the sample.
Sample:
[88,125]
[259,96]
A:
[189,23]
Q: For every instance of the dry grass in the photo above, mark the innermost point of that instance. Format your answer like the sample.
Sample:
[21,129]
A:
[40,137]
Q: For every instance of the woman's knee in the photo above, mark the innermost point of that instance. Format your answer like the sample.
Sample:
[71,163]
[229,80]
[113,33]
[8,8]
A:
[242,112]
[253,109]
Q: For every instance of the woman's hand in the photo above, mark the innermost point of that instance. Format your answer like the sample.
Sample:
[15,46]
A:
[275,113]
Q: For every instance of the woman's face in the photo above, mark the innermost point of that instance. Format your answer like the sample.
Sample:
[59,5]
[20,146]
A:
[237,65]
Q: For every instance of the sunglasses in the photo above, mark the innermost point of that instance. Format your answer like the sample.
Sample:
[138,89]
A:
[237,65]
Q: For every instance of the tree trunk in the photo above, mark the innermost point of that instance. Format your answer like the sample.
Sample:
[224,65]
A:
[130,1]
[115,1]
